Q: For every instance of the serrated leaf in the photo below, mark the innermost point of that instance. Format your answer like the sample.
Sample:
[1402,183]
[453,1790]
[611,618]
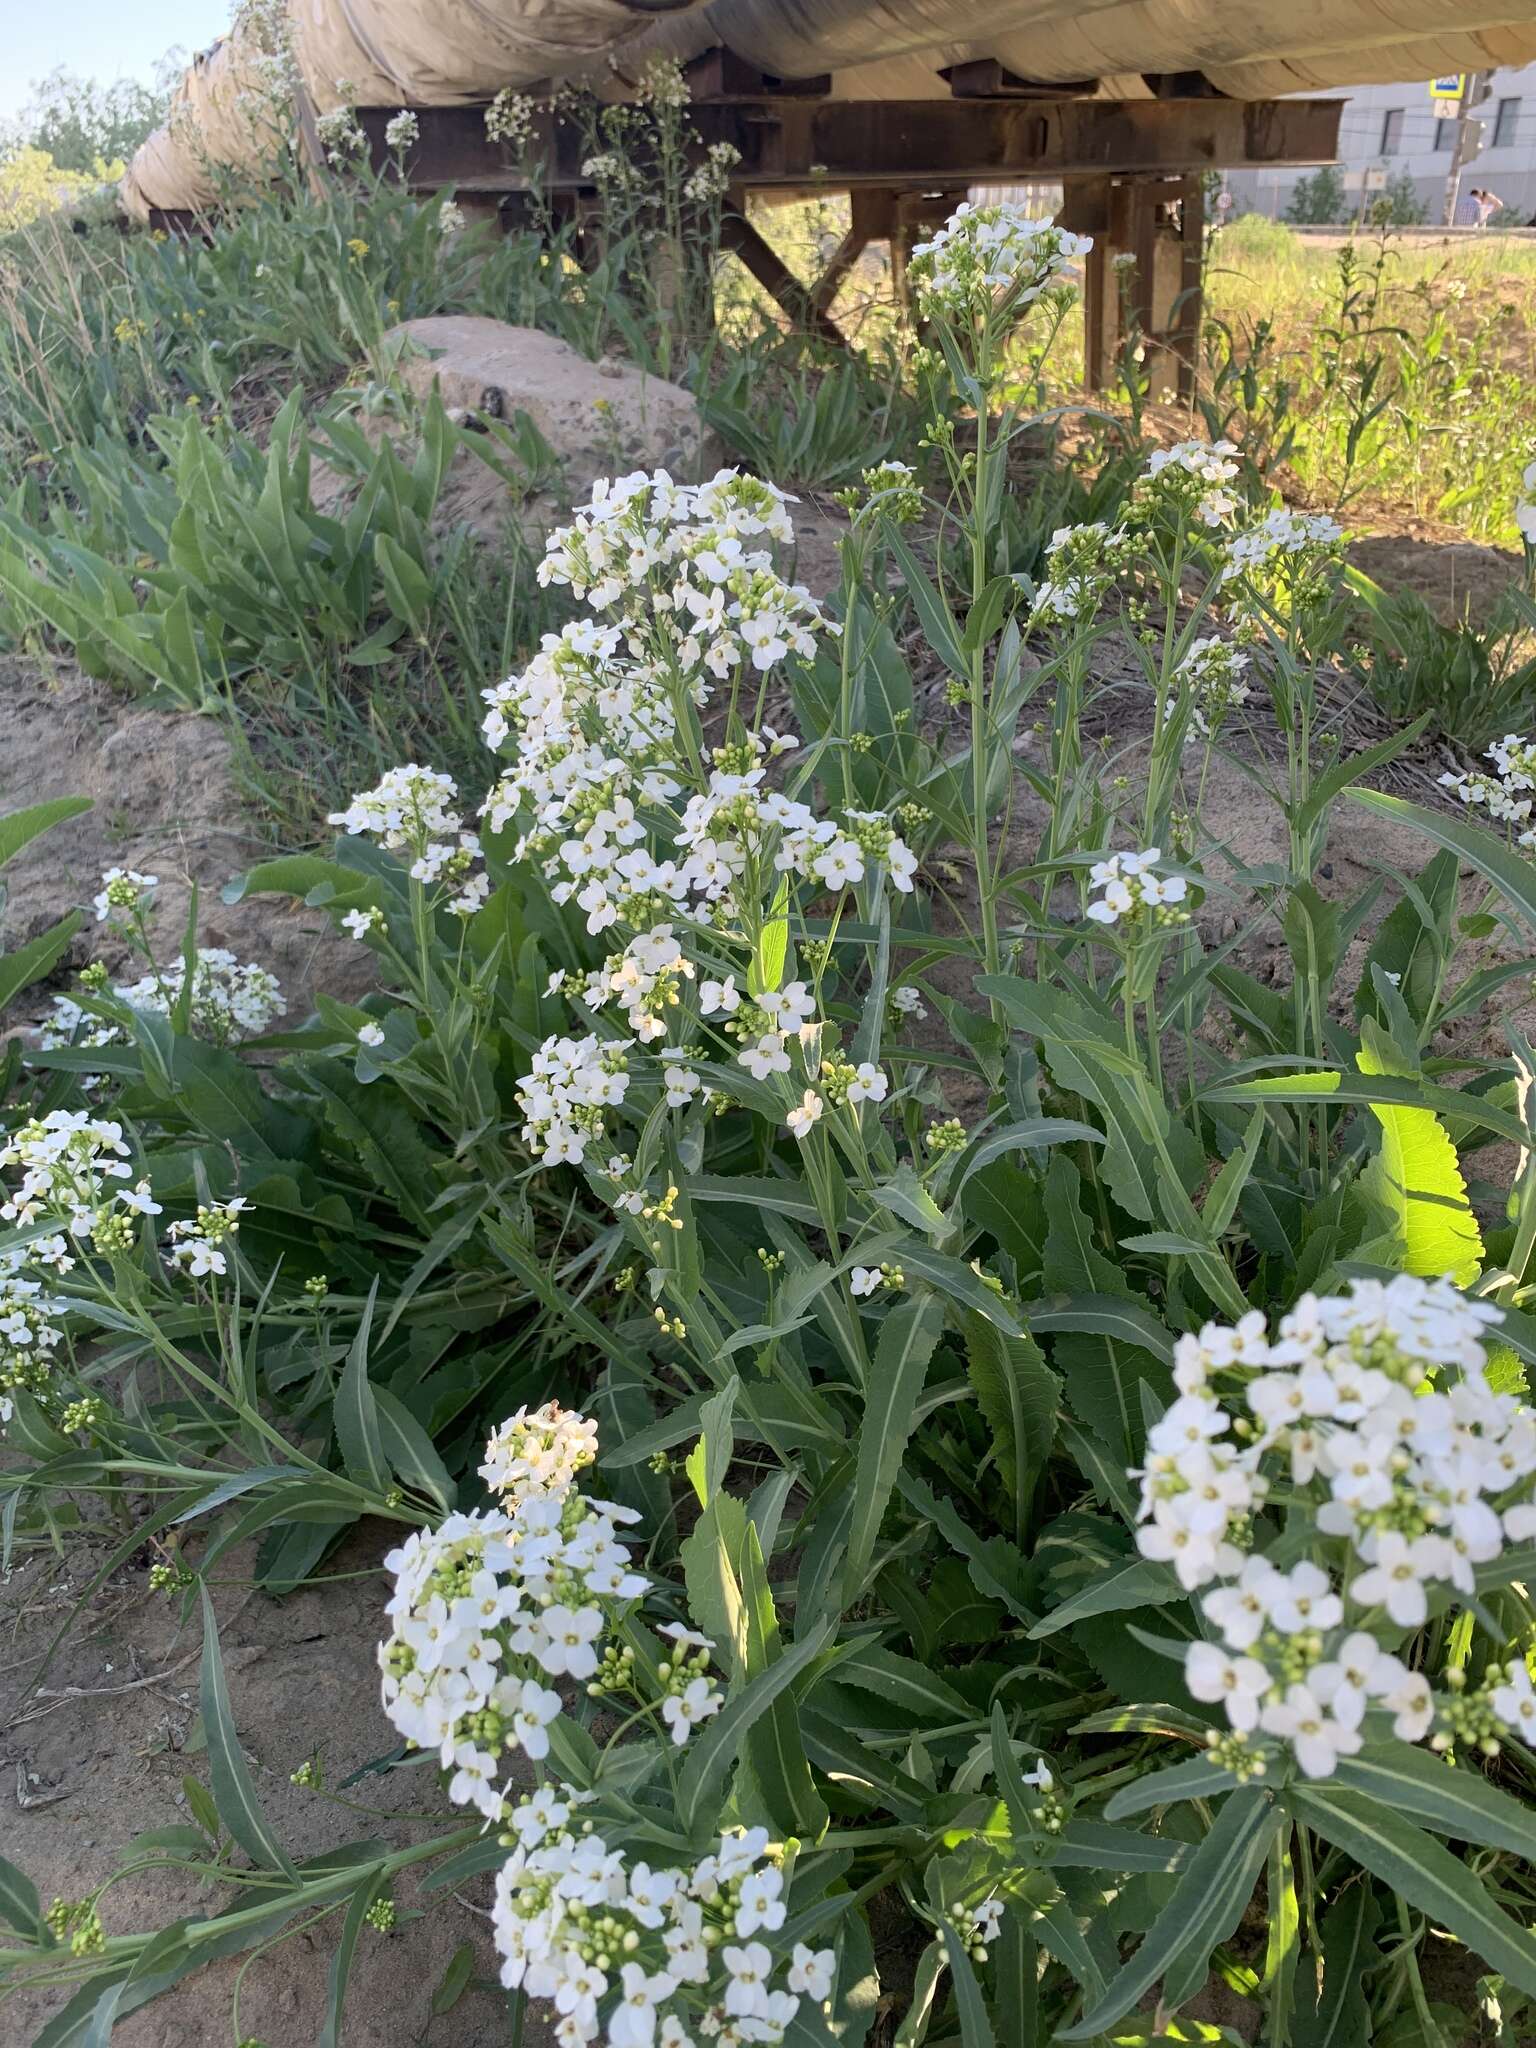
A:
[1418,1178]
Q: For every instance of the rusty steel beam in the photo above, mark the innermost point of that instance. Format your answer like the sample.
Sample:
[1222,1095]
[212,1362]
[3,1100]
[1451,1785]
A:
[905,143]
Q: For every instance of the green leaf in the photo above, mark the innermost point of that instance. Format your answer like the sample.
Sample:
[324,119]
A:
[766,972]
[1427,1875]
[341,1957]
[1418,1178]
[19,828]
[711,1754]
[896,1378]
[1448,1799]
[932,612]
[359,1433]
[1512,875]
[32,961]
[773,1743]
[1138,1583]
[19,1903]
[234,1795]
[1019,1395]
[1337,2015]
[1332,1086]
[904,1684]
[1199,1778]
[1218,1882]
[975,2027]
[454,1982]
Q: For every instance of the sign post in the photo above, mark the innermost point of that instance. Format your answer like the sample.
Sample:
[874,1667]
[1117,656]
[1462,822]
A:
[1468,139]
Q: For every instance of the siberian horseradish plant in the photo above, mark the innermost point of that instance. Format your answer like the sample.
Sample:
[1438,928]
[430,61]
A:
[1062,1409]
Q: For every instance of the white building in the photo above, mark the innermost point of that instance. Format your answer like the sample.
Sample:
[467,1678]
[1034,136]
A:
[1392,129]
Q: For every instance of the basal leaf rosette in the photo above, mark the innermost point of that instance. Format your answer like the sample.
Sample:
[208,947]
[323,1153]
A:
[1327,1492]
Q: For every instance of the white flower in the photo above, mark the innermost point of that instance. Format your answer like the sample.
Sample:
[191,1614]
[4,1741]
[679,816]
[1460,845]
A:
[401,130]
[869,1084]
[369,1034]
[1238,1683]
[683,1711]
[766,1057]
[1316,1738]
[759,1903]
[864,1280]
[632,2023]
[801,1118]
[1395,1580]
[1515,1705]
[812,1972]
[123,891]
[536,1707]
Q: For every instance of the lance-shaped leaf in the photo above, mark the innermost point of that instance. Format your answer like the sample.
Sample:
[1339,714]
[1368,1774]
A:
[1418,1178]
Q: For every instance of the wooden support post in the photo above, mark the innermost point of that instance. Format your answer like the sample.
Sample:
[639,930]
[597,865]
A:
[775,276]
[1143,273]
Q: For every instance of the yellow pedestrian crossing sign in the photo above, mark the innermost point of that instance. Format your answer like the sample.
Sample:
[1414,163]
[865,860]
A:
[1451,88]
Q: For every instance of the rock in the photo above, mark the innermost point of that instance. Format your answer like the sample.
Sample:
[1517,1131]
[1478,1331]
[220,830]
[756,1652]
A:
[600,419]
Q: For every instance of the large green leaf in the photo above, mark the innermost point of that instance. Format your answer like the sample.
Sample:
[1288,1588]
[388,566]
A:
[1427,1875]
[1335,2014]
[1455,1800]
[32,961]
[774,1745]
[1018,1394]
[1417,1177]
[712,1753]
[896,1377]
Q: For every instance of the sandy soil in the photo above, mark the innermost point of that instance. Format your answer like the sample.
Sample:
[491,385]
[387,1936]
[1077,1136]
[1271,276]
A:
[94,1748]
[164,801]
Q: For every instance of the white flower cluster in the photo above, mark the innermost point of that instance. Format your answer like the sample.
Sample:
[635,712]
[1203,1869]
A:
[982,252]
[1296,537]
[509,118]
[123,891]
[230,998]
[197,1243]
[1082,563]
[491,1604]
[711,179]
[539,1451]
[1197,475]
[340,136]
[28,1334]
[1373,1413]
[402,131]
[1525,506]
[1131,884]
[1507,792]
[411,810]
[67,1159]
[688,601]
[1211,672]
[633,1956]
[570,1083]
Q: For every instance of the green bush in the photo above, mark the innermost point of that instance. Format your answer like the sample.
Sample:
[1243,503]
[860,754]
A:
[1317,200]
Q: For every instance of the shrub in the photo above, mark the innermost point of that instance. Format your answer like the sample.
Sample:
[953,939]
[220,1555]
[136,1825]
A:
[1319,199]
